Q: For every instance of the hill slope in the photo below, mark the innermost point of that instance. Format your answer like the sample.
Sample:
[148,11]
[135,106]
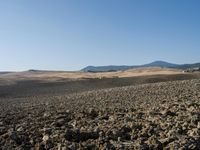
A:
[162,64]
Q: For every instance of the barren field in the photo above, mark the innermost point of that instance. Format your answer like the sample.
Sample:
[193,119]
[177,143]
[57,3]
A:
[152,111]
[52,76]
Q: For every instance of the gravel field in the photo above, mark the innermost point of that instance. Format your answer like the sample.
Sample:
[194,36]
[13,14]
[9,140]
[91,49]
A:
[163,115]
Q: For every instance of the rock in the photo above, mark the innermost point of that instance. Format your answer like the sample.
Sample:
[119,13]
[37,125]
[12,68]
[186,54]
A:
[47,142]
[77,136]
[59,146]
[153,143]
[46,115]
[91,147]
[111,118]
[195,118]
[184,126]
[108,146]
[168,113]
[72,147]
[15,137]
[45,138]
[198,125]
[32,142]
[192,146]
[47,130]
[59,122]
[64,115]
[74,124]
[173,145]
[71,135]
[20,129]
[194,132]
[49,145]
[166,141]
[2,130]
[92,113]
[39,146]
[140,145]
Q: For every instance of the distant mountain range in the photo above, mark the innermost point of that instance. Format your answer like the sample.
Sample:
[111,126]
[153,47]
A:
[112,68]
[162,64]
[5,72]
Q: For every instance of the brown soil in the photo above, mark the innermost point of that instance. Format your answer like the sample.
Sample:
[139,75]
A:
[142,112]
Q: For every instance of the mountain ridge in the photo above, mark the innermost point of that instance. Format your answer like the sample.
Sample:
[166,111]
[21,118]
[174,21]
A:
[157,63]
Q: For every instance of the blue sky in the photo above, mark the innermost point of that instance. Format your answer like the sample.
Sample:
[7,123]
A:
[71,34]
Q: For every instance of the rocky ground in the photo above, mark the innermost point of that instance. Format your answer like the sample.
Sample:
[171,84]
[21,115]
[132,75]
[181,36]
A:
[162,115]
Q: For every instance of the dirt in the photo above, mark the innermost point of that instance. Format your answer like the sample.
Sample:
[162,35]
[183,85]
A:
[126,113]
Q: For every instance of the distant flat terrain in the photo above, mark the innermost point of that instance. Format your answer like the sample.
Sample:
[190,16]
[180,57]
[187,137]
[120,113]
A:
[59,75]
[31,83]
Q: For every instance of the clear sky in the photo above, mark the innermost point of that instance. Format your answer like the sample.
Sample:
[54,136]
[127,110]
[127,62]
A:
[71,34]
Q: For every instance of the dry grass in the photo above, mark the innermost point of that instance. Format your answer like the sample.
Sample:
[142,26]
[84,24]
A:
[54,75]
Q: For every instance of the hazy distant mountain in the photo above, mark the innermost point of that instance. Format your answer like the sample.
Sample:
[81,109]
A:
[188,66]
[105,68]
[5,72]
[162,64]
